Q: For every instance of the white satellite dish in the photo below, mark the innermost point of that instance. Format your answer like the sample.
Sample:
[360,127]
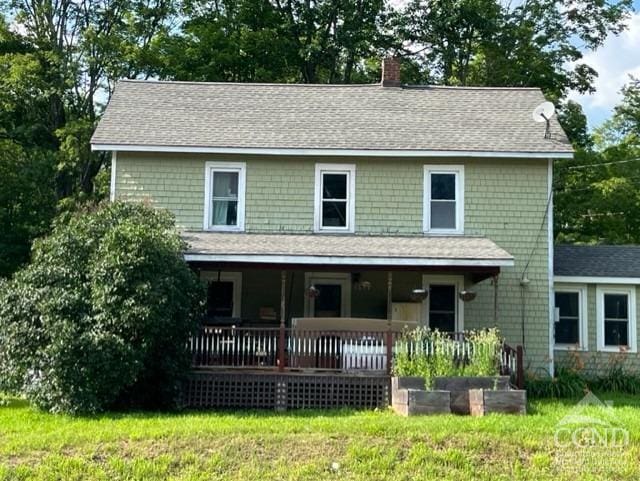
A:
[543,113]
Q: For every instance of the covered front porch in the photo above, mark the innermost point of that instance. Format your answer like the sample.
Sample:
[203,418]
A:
[335,310]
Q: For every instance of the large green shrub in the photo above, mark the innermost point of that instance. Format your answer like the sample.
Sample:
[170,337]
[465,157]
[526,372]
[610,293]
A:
[101,316]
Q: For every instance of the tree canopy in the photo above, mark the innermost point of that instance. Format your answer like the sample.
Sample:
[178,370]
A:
[597,194]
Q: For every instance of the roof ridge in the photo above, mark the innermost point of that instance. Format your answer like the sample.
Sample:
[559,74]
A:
[322,85]
[467,87]
[242,84]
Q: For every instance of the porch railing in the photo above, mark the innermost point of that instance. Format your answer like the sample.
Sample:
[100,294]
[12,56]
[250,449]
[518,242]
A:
[316,350]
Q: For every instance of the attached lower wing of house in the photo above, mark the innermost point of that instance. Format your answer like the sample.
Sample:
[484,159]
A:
[353,205]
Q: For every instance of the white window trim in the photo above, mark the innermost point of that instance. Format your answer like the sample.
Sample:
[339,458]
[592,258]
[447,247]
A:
[583,321]
[233,277]
[458,282]
[426,201]
[241,169]
[333,278]
[321,169]
[629,291]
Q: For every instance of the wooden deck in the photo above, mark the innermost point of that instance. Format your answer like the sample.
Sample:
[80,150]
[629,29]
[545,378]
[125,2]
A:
[284,368]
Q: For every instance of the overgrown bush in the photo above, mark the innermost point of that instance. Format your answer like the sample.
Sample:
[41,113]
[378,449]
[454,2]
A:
[572,380]
[617,377]
[101,316]
[566,383]
[430,354]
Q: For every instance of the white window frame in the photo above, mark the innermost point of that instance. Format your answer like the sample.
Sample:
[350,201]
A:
[583,319]
[342,279]
[458,170]
[350,170]
[235,278]
[630,291]
[458,282]
[210,168]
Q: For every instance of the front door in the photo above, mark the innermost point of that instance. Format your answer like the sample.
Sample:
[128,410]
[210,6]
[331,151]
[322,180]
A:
[442,307]
[443,310]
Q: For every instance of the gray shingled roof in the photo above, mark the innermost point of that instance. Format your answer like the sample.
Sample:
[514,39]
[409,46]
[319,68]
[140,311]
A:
[597,261]
[294,116]
[389,250]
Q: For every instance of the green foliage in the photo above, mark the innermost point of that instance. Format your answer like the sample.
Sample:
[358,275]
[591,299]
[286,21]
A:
[566,383]
[574,123]
[627,114]
[617,378]
[535,43]
[597,194]
[430,354]
[571,380]
[265,41]
[102,315]
[27,202]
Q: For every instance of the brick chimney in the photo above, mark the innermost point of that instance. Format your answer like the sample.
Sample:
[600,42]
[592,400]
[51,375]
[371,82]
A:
[391,72]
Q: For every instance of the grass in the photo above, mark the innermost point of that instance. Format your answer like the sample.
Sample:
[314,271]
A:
[332,445]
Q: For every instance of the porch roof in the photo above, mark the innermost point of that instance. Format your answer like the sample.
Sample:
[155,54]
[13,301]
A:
[354,250]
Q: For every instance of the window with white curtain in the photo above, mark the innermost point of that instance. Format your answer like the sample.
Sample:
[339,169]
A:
[224,196]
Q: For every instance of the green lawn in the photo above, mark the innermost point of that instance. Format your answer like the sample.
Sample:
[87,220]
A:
[332,445]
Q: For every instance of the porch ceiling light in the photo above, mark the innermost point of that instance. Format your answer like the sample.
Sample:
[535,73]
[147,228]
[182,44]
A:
[419,294]
[467,296]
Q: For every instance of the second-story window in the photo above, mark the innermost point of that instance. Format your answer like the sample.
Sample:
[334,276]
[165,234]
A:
[335,198]
[224,196]
[444,199]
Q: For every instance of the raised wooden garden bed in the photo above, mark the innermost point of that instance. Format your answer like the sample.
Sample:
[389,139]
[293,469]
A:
[460,386]
[486,401]
[409,397]
[409,402]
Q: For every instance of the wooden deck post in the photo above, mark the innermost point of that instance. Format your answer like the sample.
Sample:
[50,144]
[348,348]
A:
[520,367]
[281,352]
[389,340]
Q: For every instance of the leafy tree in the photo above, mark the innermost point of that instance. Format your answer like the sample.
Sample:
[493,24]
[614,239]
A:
[102,315]
[533,43]
[27,202]
[76,51]
[574,122]
[275,41]
[627,114]
[597,194]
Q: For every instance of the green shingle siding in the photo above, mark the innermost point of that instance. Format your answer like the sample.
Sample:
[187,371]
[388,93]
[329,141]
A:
[592,360]
[505,200]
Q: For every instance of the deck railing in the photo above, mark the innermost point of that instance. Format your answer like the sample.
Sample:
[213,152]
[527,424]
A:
[317,350]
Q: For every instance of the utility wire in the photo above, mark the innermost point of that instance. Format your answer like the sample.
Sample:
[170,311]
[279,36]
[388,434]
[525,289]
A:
[540,230]
[584,166]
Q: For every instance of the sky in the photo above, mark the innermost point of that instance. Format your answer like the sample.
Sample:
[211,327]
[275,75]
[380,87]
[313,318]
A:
[618,58]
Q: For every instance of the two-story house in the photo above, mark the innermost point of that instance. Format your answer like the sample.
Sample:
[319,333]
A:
[339,203]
